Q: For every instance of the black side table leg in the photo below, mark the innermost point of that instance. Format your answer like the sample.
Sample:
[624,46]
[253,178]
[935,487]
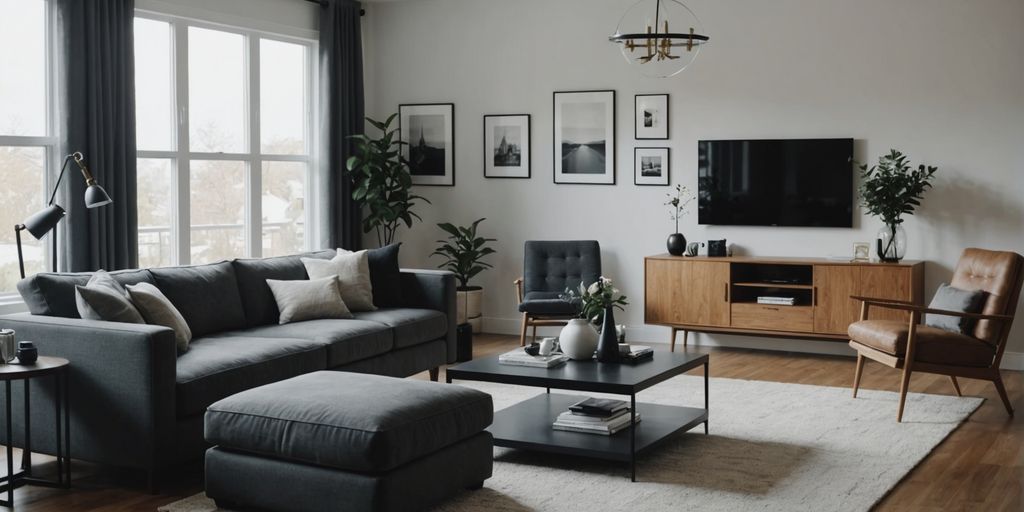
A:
[706,410]
[26,454]
[10,449]
[58,398]
[66,377]
[632,438]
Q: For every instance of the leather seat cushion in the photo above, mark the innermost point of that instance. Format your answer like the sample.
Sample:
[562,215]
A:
[932,345]
[546,303]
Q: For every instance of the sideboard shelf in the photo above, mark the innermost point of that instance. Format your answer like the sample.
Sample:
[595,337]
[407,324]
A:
[719,295]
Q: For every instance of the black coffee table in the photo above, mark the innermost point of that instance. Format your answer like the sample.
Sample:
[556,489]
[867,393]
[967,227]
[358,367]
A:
[527,425]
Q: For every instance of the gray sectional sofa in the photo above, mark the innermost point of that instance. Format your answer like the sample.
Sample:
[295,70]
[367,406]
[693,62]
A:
[136,403]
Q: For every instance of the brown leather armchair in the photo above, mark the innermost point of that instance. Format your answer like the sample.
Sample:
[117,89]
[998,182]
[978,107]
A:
[912,347]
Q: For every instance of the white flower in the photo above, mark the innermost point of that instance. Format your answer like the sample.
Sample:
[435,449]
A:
[594,288]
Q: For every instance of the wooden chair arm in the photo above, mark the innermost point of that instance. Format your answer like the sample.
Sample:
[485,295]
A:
[926,310]
[875,300]
[519,290]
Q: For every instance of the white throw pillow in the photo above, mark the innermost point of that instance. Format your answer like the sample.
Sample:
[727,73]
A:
[157,309]
[353,271]
[308,300]
[103,298]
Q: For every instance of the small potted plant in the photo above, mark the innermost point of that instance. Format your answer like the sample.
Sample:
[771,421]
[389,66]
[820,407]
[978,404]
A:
[889,190]
[678,201]
[463,251]
[595,304]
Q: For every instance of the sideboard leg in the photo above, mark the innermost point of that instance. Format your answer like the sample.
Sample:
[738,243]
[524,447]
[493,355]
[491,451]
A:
[672,340]
[686,336]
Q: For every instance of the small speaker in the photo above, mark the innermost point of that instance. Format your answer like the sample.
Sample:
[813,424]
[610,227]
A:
[717,248]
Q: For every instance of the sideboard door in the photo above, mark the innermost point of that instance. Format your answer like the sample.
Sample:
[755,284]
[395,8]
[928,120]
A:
[706,297]
[834,310]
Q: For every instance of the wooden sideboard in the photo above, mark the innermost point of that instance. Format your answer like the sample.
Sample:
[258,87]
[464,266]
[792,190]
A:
[719,295]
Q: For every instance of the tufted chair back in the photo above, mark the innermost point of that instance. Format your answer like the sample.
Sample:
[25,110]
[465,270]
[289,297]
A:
[1000,275]
[552,266]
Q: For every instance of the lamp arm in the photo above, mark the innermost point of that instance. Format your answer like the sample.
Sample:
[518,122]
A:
[61,175]
[18,228]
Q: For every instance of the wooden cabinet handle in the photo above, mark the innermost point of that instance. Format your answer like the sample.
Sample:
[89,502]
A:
[727,292]
[814,293]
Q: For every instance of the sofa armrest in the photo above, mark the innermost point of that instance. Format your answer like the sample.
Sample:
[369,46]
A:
[433,289]
[122,388]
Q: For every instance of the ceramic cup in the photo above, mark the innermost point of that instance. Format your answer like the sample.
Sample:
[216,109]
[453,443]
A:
[547,346]
[8,348]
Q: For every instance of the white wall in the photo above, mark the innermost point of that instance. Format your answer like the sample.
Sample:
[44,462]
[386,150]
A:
[941,80]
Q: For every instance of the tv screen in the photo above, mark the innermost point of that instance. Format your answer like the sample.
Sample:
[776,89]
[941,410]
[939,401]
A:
[789,182]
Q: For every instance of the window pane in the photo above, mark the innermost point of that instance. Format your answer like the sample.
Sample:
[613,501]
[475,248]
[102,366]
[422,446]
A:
[283,98]
[284,208]
[22,67]
[218,210]
[154,103]
[216,91]
[156,211]
[23,174]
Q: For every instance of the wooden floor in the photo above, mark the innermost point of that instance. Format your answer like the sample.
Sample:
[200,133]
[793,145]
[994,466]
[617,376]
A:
[979,467]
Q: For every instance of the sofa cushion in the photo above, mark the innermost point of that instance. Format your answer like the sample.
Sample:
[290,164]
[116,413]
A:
[157,309]
[353,271]
[252,274]
[219,366]
[353,422]
[949,298]
[932,345]
[386,276]
[53,294]
[411,326]
[546,303]
[103,298]
[345,340]
[206,295]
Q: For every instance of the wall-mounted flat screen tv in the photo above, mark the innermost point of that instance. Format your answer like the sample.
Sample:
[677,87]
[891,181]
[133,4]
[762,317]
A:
[782,182]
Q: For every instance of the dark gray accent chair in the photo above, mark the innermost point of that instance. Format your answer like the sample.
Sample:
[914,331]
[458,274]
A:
[549,267]
[136,403]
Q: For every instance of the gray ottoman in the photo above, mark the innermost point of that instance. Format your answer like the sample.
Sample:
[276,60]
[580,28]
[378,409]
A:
[345,441]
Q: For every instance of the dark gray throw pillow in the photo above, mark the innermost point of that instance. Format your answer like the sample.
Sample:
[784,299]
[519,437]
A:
[948,298]
[103,298]
[385,276]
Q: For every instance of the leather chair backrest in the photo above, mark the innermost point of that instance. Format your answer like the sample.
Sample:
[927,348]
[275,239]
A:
[1000,275]
[552,266]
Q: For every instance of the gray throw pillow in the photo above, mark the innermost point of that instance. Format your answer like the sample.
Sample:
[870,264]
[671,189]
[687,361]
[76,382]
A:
[157,309]
[353,271]
[949,298]
[308,300]
[103,298]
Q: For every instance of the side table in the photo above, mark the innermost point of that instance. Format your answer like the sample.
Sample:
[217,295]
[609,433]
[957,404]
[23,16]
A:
[44,367]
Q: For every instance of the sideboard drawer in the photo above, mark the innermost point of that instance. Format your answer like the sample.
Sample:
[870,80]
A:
[772,318]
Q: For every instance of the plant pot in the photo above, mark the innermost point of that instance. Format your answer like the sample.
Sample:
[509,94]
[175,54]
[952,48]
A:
[469,306]
[891,243]
[578,340]
[676,244]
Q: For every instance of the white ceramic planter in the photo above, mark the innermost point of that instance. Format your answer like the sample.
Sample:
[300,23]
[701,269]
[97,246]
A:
[578,339]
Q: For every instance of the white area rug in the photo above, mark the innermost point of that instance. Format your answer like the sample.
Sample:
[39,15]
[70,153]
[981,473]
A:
[773,446]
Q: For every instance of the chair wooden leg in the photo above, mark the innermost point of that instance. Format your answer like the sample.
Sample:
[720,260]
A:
[522,332]
[534,339]
[904,387]
[672,342]
[1002,394]
[857,373]
[956,385]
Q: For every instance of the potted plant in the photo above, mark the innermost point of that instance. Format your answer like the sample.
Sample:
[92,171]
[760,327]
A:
[595,304]
[382,182]
[463,251]
[889,190]
[678,201]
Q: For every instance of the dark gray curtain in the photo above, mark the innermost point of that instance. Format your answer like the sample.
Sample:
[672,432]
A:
[341,115]
[96,78]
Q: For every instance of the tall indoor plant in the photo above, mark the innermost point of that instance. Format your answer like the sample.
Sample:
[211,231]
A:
[890,190]
[382,182]
[464,251]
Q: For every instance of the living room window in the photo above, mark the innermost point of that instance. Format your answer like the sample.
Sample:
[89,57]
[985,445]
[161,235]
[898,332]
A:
[27,143]
[224,124]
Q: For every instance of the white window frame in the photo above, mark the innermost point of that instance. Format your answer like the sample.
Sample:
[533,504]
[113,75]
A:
[182,155]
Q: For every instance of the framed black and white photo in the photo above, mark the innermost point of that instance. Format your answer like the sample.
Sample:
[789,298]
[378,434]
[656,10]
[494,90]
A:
[650,166]
[428,131]
[507,146]
[584,137]
[651,113]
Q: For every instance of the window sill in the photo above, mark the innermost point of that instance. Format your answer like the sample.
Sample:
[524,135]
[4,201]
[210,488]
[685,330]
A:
[12,304]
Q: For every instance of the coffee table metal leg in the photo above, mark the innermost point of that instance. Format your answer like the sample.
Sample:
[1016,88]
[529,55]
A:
[706,410]
[632,437]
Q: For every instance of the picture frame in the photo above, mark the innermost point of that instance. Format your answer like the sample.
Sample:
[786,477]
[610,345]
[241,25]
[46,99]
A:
[583,137]
[428,130]
[507,151]
[861,251]
[650,116]
[651,166]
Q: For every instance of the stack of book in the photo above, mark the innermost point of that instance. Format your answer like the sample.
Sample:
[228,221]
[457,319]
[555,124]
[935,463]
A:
[596,416]
[519,358]
[776,300]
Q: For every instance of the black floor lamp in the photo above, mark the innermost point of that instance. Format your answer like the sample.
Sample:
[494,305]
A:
[43,221]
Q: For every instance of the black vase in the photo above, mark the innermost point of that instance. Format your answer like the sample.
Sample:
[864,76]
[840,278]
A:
[608,344]
[676,244]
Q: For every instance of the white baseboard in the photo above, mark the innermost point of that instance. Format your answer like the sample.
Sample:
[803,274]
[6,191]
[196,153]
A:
[659,335]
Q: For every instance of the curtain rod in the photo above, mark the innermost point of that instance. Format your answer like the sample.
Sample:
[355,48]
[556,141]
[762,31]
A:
[323,3]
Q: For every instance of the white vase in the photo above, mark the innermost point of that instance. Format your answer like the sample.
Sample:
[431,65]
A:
[578,339]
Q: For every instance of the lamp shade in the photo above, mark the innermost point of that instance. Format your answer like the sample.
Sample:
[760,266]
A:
[41,222]
[95,196]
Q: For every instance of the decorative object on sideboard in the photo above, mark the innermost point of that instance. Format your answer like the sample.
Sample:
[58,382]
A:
[650,117]
[27,352]
[718,248]
[678,201]
[507,146]
[889,190]
[45,220]
[583,142]
[651,166]
[861,251]
[7,346]
[578,339]
[428,134]
[464,251]
[382,182]
[693,248]
[667,46]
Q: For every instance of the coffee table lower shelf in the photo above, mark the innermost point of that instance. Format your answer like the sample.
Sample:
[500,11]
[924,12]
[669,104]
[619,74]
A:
[527,426]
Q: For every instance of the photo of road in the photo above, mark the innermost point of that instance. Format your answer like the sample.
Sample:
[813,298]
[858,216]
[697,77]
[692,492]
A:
[583,158]
[583,138]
